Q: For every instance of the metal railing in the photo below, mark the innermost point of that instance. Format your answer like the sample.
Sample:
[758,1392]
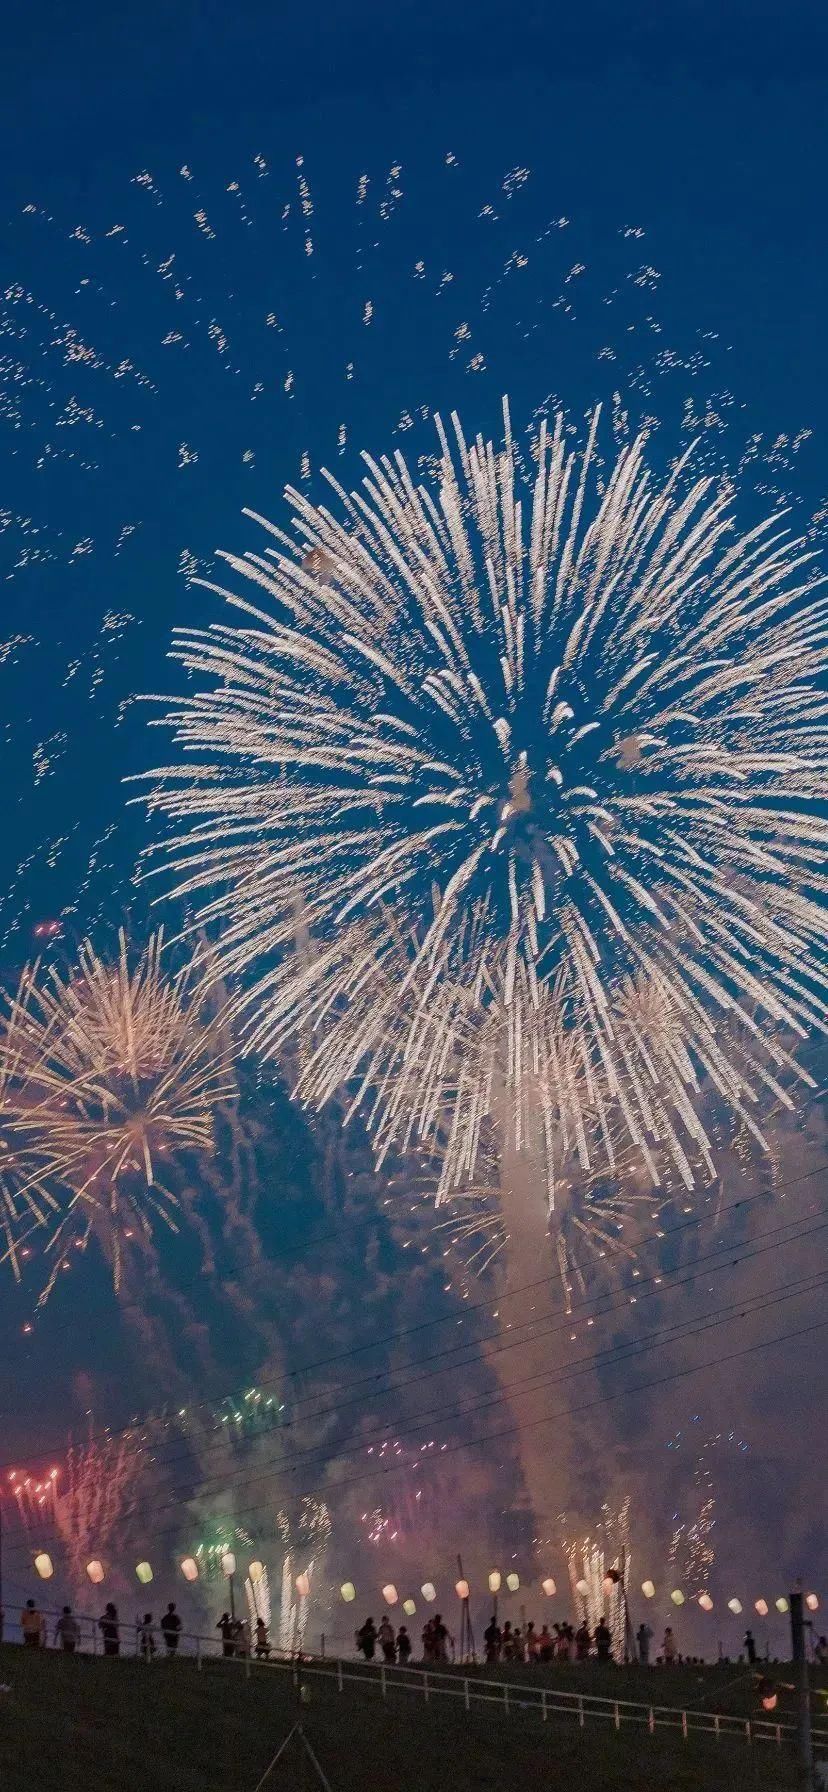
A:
[519,1699]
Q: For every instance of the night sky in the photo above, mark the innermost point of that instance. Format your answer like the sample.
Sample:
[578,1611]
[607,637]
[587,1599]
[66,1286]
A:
[203,298]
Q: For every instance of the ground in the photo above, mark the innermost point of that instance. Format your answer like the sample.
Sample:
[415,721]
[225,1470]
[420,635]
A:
[88,1725]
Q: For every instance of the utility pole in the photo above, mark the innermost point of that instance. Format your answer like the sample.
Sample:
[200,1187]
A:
[799,1624]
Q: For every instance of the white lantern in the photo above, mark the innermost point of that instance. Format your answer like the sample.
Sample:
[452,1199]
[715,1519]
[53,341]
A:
[348,1591]
[43,1565]
[762,1607]
[677,1596]
[548,1587]
[409,1607]
[462,1589]
[705,1602]
[734,1606]
[812,1602]
[582,1587]
[513,1582]
[228,1562]
[303,1585]
[494,1581]
[429,1592]
[255,1571]
[95,1570]
[648,1589]
[144,1573]
[781,1605]
[189,1568]
[390,1594]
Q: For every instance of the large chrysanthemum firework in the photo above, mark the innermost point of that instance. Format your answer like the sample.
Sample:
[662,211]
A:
[510,793]
[112,1072]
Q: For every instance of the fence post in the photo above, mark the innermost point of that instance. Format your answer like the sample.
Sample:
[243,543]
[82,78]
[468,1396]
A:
[247,1664]
[617,1716]
[581,1713]
[748,1730]
[382,1679]
[779,1735]
[466,1694]
[543,1703]
[322,1645]
[717,1726]
[684,1725]
[198,1653]
[339,1673]
[425,1687]
[505,1696]
[651,1722]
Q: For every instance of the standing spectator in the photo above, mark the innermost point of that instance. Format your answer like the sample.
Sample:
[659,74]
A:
[508,1642]
[403,1647]
[441,1639]
[170,1628]
[492,1641]
[146,1637]
[226,1627]
[546,1644]
[644,1637]
[531,1642]
[110,1630]
[583,1642]
[67,1631]
[750,1645]
[387,1640]
[262,1641]
[820,1651]
[33,1626]
[366,1639]
[668,1648]
[603,1640]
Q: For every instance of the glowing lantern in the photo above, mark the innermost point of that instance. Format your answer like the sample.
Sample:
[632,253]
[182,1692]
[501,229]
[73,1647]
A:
[734,1606]
[390,1594]
[303,1585]
[95,1570]
[189,1568]
[677,1596]
[228,1562]
[548,1587]
[582,1587]
[648,1589]
[705,1602]
[348,1591]
[781,1605]
[43,1565]
[762,1607]
[255,1571]
[513,1582]
[462,1589]
[770,1701]
[409,1607]
[429,1592]
[144,1573]
[494,1581]
[812,1602]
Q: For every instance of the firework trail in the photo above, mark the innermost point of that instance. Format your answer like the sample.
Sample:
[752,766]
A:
[98,1490]
[113,1072]
[599,1568]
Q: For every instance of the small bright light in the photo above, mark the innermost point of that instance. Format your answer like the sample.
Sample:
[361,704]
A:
[812,1602]
[734,1606]
[429,1591]
[494,1581]
[462,1589]
[513,1582]
[303,1585]
[770,1700]
[409,1607]
[95,1570]
[705,1602]
[677,1596]
[548,1587]
[189,1568]
[348,1591]
[608,1584]
[390,1594]
[255,1571]
[648,1589]
[762,1607]
[144,1573]
[43,1565]
[228,1562]
[781,1604]
[582,1587]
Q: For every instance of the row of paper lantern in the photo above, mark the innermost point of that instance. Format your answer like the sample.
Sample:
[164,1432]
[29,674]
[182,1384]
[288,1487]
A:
[189,1568]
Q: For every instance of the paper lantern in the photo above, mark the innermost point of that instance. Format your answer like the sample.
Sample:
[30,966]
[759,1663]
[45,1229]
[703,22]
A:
[409,1607]
[548,1587]
[705,1602]
[462,1589]
[582,1587]
[228,1562]
[513,1582]
[144,1573]
[494,1581]
[303,1585]
[734,1606]
[348,1591]
[43,1565]
[781,1605]
[677,1596]
[189,1568]
[95,1570]
[390,1594]
[255,1572]
[762,1607]
[429,1592]
[812,1602]
[648,1589]
[770,1701]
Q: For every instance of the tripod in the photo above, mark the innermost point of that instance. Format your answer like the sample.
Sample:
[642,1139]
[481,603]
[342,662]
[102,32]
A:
[303,1741]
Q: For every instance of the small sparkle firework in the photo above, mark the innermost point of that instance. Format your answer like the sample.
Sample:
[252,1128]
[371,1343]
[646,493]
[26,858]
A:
[114,1071]
[539,757]
[97,1493]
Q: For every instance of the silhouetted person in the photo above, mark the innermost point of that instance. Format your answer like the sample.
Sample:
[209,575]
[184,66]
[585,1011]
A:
[110,1630]
[33,1626]
[644,1637]
[403,1646]
[387,1641]
[583,1642]
[508,1642]
[750,1645]
[546,1644]
[531,1643]
[820,1650]
[170,1628]
[492,1641]
[146,1637]
[603,1640]
[67,1631]
[440,1638]
[366,1639]
[226,1627]
[262,1640]
[668,1648]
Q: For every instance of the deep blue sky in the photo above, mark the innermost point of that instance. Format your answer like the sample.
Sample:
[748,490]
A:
[703,126]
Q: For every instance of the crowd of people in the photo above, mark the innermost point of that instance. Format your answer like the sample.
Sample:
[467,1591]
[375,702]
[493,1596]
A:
[67,1633]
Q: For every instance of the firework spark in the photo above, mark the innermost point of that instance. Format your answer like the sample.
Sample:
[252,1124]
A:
[114,1071]
[97,1494]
